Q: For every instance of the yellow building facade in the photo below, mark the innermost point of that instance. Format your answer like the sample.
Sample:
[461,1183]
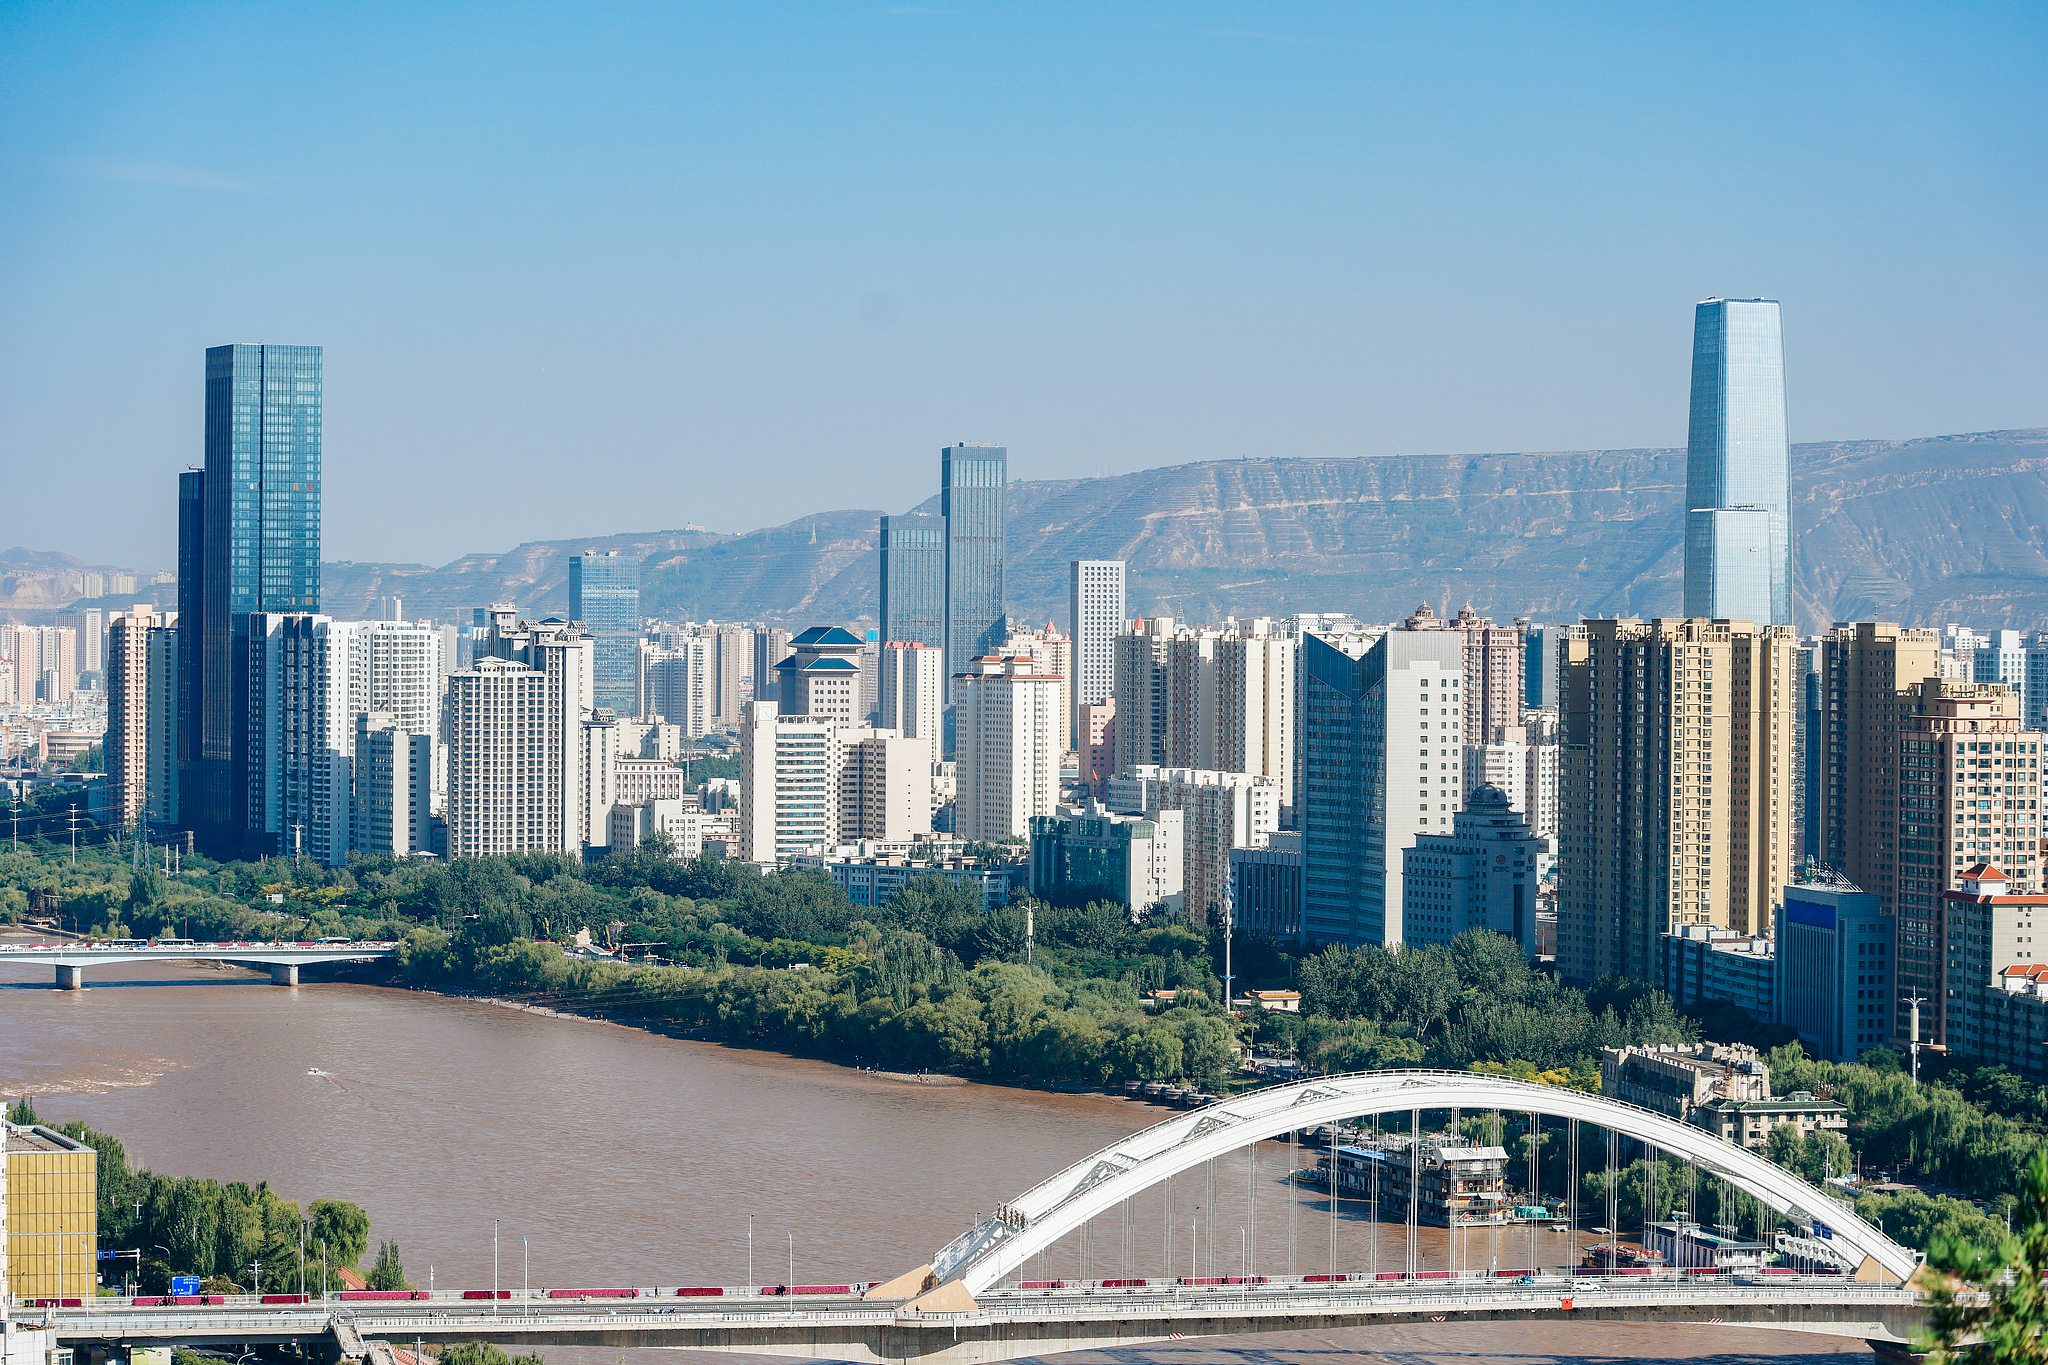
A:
[51,1214]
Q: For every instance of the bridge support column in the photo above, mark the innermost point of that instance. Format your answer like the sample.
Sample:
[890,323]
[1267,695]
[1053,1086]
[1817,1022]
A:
[71,978]
[284,974]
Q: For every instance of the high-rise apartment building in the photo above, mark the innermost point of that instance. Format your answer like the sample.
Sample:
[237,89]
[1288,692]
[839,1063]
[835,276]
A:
[1097,747]
[1053,652]
[1496,675]
[256,549]
[90,623]
[1867,673]
[972,483]
[789,782]
[517,752]
[1207,697]
[1008,732]
[393,777]
[884,787]
[45,663]
[192,691]
[1096,615]
[734,686]
[604,596]
[1382,761]
[911,699]
[771,647]
[129,712]
[1677,787]
[160,804]
[678,682]
[913,574]
[1738,483]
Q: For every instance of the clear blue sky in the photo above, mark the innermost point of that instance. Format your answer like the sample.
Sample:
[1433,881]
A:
[593,268]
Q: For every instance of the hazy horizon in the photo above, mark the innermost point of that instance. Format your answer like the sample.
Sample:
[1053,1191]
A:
[575,271]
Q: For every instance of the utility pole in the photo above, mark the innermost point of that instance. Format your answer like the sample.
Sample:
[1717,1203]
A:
[1229,925]
[1913,1048]
[73,814]
[296,827]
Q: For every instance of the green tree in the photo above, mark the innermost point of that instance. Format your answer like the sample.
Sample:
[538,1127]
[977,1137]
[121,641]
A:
[389,1271]
[23,1111]
[483,1353]
[1994,1294]
[343,1226]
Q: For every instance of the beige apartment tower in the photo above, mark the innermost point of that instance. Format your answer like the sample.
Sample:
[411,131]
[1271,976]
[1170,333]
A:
[1679,786]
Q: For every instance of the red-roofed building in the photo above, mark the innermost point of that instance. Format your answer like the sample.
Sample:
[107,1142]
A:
[1995,971]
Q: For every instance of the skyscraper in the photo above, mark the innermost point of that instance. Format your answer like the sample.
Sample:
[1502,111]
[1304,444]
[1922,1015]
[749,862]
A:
[1095,614]
[971,486]
[256,548]
[1738,483]
[604,595]
[913,563]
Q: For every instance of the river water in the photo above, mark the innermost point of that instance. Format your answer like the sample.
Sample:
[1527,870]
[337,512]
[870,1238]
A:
[604,1155]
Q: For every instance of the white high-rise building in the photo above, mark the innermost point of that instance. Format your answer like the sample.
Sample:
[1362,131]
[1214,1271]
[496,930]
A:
[911,699]
[884,787]
[517,752]
[1053,652]
[789,784]
[128,711]
[1008,743]
[45,662]
[1211,698]
[821,678]
[678,682]
[1483,873]
[394,773]
[1095,617]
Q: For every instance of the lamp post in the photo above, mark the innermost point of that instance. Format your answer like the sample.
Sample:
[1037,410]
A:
[494,1267]
[256,1276]
[750,1253]
[303,1222]
[525,1271]
[792,1272]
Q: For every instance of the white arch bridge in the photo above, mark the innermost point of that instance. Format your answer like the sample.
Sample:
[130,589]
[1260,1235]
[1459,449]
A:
[1000,1244]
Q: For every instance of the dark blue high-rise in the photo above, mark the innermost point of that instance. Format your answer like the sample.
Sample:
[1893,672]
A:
[604,594]
[259,550]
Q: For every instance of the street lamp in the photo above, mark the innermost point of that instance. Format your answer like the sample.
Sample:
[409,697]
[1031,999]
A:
[750,1253]
[792,1272]
[494,1267]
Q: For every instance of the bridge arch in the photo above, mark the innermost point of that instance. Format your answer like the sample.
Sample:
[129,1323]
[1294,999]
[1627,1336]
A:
[999,1244]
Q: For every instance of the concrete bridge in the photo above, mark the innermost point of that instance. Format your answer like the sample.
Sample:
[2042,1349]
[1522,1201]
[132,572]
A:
[282,959]
[1008,1324]
[971,1304]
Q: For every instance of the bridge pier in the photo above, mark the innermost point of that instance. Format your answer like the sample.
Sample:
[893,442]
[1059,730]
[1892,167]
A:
[70,978]
[284,973]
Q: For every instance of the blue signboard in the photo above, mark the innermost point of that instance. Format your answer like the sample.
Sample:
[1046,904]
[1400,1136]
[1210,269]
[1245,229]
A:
[184,1286]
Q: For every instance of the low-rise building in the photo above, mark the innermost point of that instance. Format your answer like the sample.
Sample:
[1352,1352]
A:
[870,880]
[682,819]
[52,1213]
[1221,811]
[1677,1080]
[1702,962]
[1135,859]
[1266,887]
[1835,979]
[647,779]
[1748,1123]
[1482,873]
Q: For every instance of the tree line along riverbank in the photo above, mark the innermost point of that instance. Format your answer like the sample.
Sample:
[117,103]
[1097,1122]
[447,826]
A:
[929,981]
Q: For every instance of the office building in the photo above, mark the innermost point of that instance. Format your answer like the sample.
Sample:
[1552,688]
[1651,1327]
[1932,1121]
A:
[685,822]
[604,596]
[789,784]
[51,1228]
[821,678]
[517,751]
[1738,482]
[129,712]
[1676,789]
[972,484]
[1266,887]
[1094,854]
[678,683]
[1701,962]
[1220,811]
[1483,873]
[1096,615]
[1835,962]
[1375,772]
[257,550]
[913,579]
[394,775]
[645,778]
[1542,651]
[1007,737]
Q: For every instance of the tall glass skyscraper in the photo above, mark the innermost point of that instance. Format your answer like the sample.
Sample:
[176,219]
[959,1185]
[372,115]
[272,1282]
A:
[259,551]
[1738,481]
[913,555]
[971,484]
[604,594]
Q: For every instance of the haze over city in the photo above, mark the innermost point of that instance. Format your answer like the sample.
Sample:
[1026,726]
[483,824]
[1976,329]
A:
[631,268]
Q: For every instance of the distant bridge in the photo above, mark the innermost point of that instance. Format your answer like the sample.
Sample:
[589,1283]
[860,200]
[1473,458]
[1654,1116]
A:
[282,959]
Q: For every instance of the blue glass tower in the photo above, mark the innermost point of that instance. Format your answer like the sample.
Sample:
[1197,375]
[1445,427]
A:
[1738,481]
[913,555]
[971,486]
[259,550]
[604,594]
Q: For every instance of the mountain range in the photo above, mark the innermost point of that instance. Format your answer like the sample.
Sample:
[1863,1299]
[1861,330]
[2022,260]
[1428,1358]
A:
[1921,531]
